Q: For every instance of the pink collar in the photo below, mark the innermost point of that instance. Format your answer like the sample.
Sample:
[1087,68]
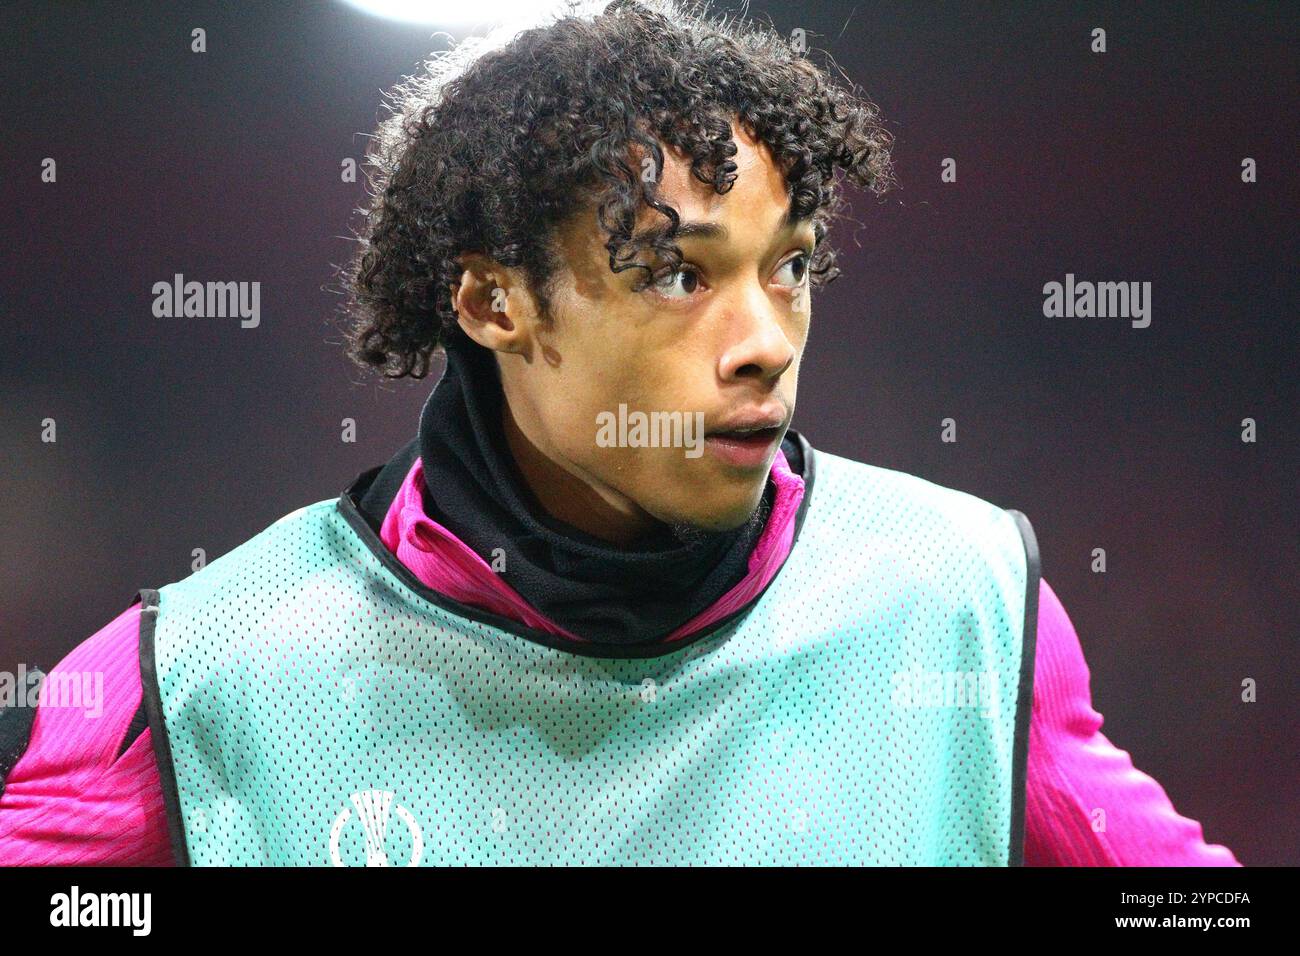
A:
[444,563]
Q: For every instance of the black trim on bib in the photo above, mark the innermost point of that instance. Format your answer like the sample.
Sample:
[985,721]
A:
[1025,699]
[149,609]
[349,505]
[16,731]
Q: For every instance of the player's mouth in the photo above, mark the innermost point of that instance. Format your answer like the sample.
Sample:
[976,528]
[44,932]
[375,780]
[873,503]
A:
[746,446]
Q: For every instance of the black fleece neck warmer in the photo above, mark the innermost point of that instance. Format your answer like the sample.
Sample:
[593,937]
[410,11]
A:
[593,589]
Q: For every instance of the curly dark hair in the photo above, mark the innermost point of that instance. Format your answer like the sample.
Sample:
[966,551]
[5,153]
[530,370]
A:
[496,143]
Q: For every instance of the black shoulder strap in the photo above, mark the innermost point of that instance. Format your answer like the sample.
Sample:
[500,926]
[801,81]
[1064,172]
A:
[1025,697]
[16,729]
[150,602]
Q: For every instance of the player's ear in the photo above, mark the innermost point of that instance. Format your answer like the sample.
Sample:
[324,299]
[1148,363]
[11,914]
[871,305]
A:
[493,304]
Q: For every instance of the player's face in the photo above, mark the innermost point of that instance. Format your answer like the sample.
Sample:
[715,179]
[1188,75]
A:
[716,346]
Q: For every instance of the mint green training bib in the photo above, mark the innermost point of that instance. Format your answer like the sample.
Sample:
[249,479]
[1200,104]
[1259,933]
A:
[313,704]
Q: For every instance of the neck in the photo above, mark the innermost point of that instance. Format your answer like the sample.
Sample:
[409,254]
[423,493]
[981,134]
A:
[567,498]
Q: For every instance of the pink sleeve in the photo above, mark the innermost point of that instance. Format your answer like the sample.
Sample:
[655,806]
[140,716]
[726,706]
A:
[70,799]
[1086,804]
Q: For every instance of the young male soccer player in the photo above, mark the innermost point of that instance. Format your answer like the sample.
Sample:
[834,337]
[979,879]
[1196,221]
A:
[606,606]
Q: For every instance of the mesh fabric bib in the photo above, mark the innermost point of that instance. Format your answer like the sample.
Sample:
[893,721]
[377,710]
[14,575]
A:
[312,704]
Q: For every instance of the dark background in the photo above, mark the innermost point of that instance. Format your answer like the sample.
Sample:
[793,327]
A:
[175,433]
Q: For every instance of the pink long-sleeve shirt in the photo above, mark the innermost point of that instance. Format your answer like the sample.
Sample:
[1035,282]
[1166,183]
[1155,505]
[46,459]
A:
[76,797]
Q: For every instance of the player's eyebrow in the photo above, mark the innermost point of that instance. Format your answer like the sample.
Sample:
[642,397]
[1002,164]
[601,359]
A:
[706,230]
[701,230]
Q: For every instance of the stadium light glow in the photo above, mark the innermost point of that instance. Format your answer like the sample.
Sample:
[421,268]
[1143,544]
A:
[446,14]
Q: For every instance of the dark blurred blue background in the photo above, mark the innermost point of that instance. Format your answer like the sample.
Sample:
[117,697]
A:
[175,434]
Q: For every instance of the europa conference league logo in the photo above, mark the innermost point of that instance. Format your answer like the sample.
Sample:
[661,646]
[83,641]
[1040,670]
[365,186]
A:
[373,811]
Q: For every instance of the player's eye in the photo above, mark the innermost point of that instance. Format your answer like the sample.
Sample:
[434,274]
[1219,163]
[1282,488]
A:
[678,284]
[793,272]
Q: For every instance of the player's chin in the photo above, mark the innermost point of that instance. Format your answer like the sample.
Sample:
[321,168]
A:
[716,501]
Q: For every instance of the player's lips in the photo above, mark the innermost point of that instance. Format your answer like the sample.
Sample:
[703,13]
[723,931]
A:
[744,440]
